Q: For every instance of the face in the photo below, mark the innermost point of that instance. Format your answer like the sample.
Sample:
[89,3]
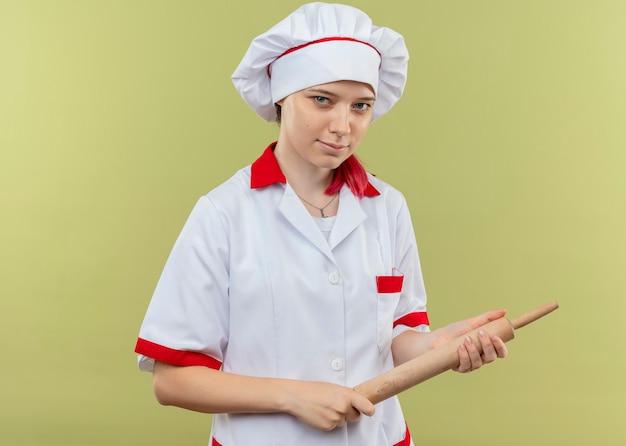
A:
[323,125]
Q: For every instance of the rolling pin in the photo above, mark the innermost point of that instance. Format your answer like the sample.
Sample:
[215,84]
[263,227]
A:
[442,358]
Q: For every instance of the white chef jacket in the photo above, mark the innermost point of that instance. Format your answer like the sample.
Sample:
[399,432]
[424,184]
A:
[252,287]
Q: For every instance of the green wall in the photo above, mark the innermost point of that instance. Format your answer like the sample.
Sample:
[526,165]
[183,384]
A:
[509,144]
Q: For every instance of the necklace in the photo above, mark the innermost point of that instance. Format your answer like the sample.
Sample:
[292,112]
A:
[323,207]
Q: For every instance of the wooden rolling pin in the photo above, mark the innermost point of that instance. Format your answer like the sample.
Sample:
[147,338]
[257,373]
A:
[442,358]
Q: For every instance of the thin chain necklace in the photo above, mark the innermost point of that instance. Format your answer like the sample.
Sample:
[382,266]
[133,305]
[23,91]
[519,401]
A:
[323,207]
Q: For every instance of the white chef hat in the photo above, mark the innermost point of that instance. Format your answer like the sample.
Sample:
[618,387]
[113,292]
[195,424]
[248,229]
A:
[317,44]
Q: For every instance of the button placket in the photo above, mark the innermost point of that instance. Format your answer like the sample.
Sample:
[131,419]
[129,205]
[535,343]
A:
[333,278]
[336,364]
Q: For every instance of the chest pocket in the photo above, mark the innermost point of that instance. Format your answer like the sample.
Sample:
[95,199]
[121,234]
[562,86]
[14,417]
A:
[388,289]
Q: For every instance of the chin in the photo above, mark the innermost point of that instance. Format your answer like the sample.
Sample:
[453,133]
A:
[331,164]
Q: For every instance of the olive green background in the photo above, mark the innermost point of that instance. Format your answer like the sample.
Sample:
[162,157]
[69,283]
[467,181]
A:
[509,144]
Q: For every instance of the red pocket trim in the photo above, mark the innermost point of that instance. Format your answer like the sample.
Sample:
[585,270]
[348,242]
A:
[389,284]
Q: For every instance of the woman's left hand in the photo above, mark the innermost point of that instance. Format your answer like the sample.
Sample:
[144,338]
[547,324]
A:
[471,359]
[469,356]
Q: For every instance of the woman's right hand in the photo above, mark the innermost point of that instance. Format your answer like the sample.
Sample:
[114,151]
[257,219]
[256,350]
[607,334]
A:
[325,406]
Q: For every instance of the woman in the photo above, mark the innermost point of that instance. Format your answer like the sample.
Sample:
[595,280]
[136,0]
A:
[299,277]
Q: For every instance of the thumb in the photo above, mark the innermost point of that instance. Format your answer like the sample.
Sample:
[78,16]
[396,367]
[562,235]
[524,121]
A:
[494,314]
[362,404]
[482,319]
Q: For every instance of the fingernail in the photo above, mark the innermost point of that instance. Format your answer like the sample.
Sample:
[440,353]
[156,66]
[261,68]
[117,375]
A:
[468,340]
[481,333]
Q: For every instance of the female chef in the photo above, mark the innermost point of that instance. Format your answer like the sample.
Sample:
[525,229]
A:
[299,277]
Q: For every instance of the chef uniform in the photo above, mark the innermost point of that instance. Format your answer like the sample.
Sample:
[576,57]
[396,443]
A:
[254,287]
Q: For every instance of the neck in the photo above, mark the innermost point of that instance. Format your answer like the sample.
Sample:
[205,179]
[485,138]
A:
[309,182]
[305,178]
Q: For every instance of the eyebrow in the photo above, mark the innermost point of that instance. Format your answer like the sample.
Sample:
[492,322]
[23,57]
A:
[330,93]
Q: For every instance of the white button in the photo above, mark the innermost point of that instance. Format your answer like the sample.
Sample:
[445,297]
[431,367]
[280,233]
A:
[336,364]
[333,278]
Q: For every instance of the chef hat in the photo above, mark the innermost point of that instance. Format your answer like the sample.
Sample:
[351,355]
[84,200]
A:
[317,44]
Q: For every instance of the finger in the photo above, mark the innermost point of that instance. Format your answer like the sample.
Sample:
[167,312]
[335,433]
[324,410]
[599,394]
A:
[499,346]
[340,423]
[489,350]
[338,419]
[482,319]
[474,355]
[489,316]
[465,364]
[495,314]
[362,404]
[352,414]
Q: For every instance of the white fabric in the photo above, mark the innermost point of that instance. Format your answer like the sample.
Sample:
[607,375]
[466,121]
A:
[332,61]
[325,224]
[311,65]
[252,282]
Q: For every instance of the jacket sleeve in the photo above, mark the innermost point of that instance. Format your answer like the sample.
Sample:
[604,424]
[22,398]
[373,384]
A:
[186,322]
[411,310]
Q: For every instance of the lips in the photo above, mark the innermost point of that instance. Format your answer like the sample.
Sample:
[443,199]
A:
[333,146]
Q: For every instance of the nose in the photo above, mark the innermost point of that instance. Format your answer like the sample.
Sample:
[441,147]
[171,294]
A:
[340,121]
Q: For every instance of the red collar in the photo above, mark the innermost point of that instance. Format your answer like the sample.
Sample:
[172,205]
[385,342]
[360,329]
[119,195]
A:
[265,171]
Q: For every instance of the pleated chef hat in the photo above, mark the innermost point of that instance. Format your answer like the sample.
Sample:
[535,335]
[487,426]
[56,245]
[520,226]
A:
[317,44]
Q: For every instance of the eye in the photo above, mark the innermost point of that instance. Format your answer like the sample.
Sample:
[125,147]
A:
[321,100]
[362,106]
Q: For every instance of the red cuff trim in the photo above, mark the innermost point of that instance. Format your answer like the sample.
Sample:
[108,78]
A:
[405,442]
[175,357]
[413,319]
[407,439]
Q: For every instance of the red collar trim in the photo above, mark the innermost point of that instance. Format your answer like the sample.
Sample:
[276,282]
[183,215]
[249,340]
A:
[370,191]
[265,171]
